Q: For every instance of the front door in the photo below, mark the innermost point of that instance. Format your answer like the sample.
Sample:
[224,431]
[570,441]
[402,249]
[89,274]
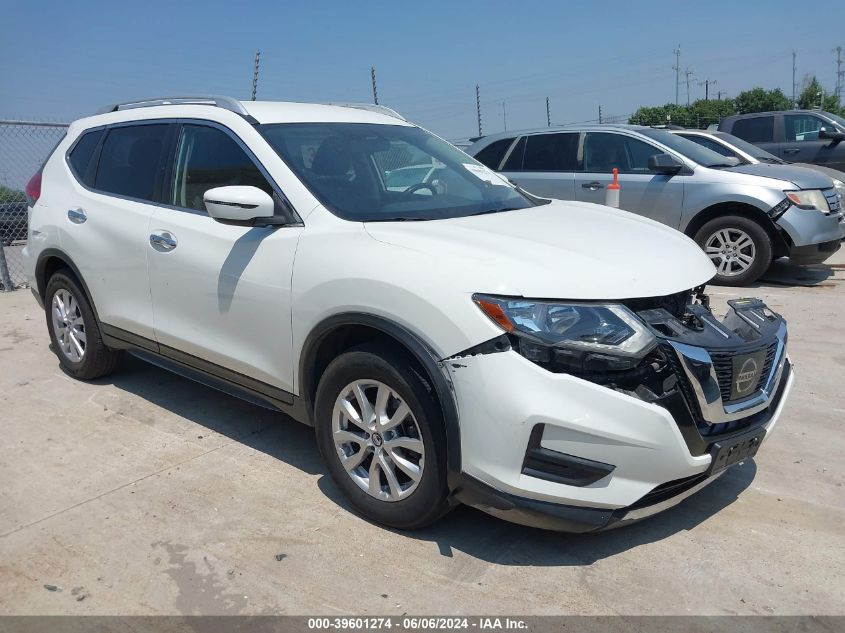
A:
[803,145]
[220,293]
[656,196]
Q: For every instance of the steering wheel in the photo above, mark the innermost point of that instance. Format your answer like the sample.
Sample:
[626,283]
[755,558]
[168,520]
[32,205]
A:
[418,186]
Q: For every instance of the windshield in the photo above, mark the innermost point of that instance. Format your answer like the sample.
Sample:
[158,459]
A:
[370,172]
[749,148]
[695,152]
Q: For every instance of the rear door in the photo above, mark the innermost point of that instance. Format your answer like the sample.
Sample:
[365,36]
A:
[657,196]
[803,145]
[118,176]
[221,293]
[763,131]
[545,164]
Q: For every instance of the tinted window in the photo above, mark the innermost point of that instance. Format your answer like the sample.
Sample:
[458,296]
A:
[709,144]
[685,147]
[131,160]
[346,165]
[80,155]
[514,160]
[207,157]
[492,154]
[604,151]
[755,130]
[804,127]
[551,152]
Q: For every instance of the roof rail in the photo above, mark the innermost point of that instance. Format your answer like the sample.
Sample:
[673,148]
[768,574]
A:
[372,107]
[228,103]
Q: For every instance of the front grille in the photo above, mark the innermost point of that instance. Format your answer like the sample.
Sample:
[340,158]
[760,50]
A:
[723,364]
[833,201]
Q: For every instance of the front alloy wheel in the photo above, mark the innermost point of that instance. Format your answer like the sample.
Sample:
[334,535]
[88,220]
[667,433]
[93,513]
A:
[377,440]
[381,433]
[69,325]
[731,250]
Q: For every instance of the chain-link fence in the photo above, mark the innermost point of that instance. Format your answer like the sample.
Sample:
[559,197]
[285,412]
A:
[24,146]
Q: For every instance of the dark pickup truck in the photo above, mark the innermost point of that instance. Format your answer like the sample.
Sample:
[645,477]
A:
[13,222]
[796,136]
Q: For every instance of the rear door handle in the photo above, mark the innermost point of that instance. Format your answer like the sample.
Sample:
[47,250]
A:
[163,241]
[593,186]
[791,150]
[77,216]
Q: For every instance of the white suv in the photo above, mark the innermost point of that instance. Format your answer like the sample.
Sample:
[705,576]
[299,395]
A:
[458,340]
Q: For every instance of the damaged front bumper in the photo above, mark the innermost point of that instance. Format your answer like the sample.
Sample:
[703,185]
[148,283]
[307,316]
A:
[557,451]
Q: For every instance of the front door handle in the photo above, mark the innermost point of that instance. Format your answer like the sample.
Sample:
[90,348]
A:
[791,150]
[593,186]
[77,216]
[163,241]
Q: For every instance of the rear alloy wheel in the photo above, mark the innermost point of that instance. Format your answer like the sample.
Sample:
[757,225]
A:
[739,248]
[74,330]
[380,431]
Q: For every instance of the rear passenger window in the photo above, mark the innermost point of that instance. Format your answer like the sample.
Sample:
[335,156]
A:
[755,130]
[493,154]
[207,157]
[81,154]
[131,161]
[551,152]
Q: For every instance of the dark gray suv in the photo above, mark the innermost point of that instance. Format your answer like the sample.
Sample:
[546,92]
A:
[797,136]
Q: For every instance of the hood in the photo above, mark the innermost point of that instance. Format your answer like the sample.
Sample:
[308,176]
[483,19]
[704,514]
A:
[562,250]
[800,177]
[827,171]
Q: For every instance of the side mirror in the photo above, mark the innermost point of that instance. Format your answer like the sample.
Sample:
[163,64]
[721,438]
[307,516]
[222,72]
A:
[834,135]
[664,164]
[238,205]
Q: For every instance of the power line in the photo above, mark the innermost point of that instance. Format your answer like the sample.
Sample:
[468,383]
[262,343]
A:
[794,70]
[707,83]
[688,73]
[840,75]
[548,114]
[677,69]
[478,107]
[375,91]
[255,75]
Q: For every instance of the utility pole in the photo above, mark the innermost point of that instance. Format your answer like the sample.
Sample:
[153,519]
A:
[375,92]
[255,75]
[548,114]
[478,107]
[794,70]
[599,113]
[504,115]
[687,74]
[677,69]
[840,75]
[707,83]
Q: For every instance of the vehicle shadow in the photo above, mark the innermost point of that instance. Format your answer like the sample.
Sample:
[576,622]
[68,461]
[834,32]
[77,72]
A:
[493,540]
[782,273]
[464,529]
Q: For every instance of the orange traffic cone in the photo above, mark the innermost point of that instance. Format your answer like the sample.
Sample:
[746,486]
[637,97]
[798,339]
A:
[611,199]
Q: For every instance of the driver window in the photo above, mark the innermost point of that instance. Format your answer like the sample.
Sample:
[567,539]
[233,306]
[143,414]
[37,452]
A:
[207,157]
[803,127]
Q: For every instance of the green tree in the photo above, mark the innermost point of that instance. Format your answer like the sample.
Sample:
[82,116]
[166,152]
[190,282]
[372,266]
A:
[11,195]
[814,96]
[760,100]
[707,111]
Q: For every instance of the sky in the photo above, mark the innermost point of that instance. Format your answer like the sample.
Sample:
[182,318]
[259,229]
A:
[64,60]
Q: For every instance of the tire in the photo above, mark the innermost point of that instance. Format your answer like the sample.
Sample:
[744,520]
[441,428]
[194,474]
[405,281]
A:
[738,246]
[408,504]
[73,326]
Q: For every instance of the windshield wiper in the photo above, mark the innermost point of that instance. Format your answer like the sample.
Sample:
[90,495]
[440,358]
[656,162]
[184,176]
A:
[398,219]
[497,210]
[770,161]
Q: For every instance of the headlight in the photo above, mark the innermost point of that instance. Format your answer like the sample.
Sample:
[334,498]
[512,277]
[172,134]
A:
[808,199]
[552,327]
[840,188]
